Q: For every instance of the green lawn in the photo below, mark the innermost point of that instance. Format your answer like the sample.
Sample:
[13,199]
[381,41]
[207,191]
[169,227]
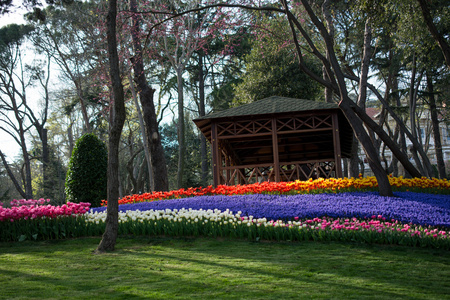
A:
[201,268]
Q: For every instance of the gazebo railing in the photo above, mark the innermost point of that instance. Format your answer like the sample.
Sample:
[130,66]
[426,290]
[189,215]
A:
[247,174]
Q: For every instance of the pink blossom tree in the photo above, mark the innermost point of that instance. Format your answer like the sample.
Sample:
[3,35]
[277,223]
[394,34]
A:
[176,40]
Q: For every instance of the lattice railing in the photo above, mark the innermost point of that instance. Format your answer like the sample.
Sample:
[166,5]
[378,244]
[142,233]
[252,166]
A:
[261,127]
[232,175]
[304,123]
[236,128]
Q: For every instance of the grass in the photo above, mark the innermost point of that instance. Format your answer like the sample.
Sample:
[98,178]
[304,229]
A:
[203,268]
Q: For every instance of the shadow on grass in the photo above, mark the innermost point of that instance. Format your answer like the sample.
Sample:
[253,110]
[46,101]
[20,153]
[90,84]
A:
[385,271]
[186,268]
[38,286]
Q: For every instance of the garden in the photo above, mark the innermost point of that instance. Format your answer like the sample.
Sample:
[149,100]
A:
[319,238]
[348,210]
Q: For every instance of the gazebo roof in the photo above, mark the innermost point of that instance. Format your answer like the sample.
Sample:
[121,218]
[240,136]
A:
[271,105]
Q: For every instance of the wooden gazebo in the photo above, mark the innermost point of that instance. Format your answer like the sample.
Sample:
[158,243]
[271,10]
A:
[277,139]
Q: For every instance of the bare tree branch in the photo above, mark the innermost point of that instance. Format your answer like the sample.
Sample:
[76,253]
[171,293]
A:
[11,176]
[201,8]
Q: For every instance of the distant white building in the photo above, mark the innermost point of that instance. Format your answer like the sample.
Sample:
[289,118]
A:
[426,138]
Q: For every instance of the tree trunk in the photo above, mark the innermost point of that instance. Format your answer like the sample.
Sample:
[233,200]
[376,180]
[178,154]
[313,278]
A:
[412,99]
[140,176]
[181,129]
[17,185]
[27,164]
[440,38]
[362,95]
[117,119]
[144,135]
[402,137]
[345,104]
[394,161]
[130,169]
[340,86]
[328,91]
[372,156]
[202,112]
[385,138]
[367,52]
[45,162]
[70,139]
[436,132]
[158,159]
[354,159]
[23,147]
[84,113]
[403,147]
[87,125]
[121,188]
[414,141]
[388,142]
[412,115]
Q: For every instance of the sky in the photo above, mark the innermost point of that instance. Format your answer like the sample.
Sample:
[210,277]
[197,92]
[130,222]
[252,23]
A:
[15,15]
[8,146]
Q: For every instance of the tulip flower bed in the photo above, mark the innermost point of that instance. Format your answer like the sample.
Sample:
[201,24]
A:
[269,211]
[414,219]
[406,207]
[27,211]
[29,203]
[217,223]
[31,219]
[332,185]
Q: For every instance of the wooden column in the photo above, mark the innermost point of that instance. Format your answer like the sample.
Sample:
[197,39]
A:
[276,158]
[227,164]
[337,146]
[215,155]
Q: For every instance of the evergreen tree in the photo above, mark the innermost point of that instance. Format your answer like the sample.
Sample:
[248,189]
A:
[86,179]
[272,67]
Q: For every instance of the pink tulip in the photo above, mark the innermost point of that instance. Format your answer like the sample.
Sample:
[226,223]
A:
[38,211]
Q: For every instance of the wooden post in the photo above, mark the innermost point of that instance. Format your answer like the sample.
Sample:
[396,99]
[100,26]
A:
[215,155]
[337,146]
[276,158]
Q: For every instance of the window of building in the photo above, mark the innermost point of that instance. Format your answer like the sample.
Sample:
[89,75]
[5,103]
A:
[445,136]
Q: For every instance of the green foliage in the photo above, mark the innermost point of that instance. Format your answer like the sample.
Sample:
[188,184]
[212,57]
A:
[222,96]
[86,179]
[48,229]
[53,186]
[11,37]
[192,173]
[7,189]
[13,34]
[229,71]
[272,68]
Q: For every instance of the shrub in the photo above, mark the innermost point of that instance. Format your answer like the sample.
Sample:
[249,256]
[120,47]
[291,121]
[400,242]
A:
[86,179]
